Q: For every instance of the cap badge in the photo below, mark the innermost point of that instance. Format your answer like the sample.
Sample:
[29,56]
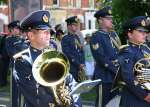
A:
[45,18]
[76,20]
[109,11]
[143,23]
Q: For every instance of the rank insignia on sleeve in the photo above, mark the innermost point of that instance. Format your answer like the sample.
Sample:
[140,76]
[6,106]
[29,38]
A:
[146,54]
[95,46]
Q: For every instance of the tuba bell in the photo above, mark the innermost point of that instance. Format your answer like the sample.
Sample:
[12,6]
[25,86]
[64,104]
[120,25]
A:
[142,72]
[50,69]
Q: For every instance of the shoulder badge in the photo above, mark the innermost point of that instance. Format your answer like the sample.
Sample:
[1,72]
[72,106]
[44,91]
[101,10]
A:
[146,54]
[95,46]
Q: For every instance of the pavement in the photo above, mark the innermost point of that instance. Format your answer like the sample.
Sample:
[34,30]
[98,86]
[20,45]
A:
[5,100]
[88,104]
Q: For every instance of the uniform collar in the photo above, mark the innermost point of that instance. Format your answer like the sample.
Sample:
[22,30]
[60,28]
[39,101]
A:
[133,44]
[34,53]
[73,34]
[103,31]
[35,50]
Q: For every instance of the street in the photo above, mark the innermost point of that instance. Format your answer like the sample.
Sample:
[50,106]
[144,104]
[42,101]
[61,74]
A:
[4,99]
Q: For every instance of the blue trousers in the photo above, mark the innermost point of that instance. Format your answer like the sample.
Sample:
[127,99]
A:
[107,95]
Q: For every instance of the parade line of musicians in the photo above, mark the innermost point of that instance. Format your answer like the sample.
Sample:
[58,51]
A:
[97,56]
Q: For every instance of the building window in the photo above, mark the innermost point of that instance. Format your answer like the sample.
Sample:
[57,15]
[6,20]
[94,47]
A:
[56,2]
[78,3]
[91,4]
[70,3]
[89,24]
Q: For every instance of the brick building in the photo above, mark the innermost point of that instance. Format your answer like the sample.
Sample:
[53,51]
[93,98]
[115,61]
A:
[59,9]
[4,17]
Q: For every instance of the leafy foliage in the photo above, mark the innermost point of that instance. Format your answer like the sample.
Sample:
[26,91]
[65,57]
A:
[127,9]
[4,1]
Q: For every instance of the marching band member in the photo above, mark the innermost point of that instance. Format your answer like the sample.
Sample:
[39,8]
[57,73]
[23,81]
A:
[133,62]
[105,49]
[72,48]
[36,25]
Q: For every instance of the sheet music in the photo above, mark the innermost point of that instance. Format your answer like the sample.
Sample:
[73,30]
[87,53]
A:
[85,86]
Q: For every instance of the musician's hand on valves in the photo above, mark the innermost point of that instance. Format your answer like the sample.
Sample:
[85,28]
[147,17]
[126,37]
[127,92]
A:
[64,95]
[147,98]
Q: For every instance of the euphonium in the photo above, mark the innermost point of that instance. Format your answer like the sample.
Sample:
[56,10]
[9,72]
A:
[50,69]
[142,72]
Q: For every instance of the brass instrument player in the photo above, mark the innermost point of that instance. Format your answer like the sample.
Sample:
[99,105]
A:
[37,27]
[72,48]
[105,45]
[134,59]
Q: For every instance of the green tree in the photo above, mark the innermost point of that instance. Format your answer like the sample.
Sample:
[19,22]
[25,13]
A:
[4,1]
[127,9]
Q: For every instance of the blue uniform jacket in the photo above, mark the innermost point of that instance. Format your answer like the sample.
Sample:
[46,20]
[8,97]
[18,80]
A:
[35,95]
[71,48]
[132,94]
[105,54]
[15,44]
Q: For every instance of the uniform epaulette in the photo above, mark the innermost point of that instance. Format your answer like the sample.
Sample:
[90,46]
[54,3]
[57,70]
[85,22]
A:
[146,46]
[19,54]
[17,42]
[8,37]
[123,46]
